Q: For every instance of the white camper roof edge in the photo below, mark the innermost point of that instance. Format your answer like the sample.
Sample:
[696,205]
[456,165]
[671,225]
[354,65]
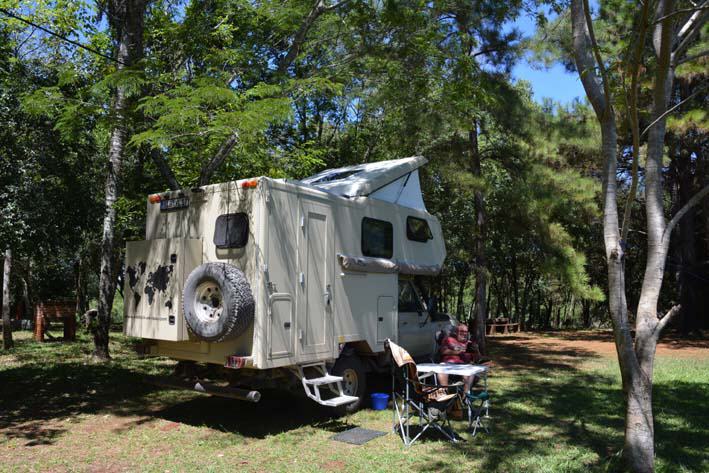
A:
[395,181]
[361,180]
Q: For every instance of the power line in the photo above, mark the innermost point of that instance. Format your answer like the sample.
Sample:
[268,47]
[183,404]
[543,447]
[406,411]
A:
[63,38]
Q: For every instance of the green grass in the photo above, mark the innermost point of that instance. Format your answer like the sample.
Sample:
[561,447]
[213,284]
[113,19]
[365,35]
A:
[556,410]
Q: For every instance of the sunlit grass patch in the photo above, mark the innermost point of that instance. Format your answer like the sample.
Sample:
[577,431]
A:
[550,411]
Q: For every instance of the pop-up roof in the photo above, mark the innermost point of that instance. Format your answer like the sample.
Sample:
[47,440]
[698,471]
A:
[395,181]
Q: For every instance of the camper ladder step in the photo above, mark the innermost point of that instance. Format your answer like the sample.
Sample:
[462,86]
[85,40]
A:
[327,379]
[339,400]
[334,384]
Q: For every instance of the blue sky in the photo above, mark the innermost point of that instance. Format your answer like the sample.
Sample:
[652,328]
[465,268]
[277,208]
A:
[554,82]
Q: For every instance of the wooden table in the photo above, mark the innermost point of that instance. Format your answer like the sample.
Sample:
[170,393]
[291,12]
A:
[494,328]
[60,311]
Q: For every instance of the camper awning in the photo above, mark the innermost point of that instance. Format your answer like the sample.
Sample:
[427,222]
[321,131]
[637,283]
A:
[368,264]
[395,181]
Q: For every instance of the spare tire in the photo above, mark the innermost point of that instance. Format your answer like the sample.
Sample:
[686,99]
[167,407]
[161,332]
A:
[217,301]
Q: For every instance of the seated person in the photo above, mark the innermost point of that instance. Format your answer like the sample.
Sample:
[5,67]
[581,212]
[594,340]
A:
[456,348]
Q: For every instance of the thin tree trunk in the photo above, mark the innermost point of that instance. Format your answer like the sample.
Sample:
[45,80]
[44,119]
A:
[127,23]
[480,260]
[686,247]
[7,342]
[557,323]
[515,284]
[460,307]
[81,302]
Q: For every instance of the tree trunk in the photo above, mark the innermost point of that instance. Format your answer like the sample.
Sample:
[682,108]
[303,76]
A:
[7,342]
[127,23]
[515,286]
[81,302]
[586,311]
[26,300]
[480,260]
[686,246]
[460,306]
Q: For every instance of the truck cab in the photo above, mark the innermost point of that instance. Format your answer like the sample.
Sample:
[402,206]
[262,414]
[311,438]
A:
[419,324]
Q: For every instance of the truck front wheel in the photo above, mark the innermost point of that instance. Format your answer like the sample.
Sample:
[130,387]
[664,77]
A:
[354,380]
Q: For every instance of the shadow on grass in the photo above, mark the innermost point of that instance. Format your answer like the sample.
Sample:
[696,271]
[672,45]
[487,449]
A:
[52,385]
[541,358]
[277,412]
[546,410]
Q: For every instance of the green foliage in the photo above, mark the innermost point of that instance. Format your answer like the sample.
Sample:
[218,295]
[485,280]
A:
[370,82]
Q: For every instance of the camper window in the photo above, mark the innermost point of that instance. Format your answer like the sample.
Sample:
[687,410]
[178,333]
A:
[377,238]
[417,229]
[231,231]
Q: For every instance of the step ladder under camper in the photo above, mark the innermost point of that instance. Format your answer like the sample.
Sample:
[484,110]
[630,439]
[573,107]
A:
[333,383]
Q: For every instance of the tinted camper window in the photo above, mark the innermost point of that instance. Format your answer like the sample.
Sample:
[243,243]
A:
[377,238]
[231,231]
[417,229]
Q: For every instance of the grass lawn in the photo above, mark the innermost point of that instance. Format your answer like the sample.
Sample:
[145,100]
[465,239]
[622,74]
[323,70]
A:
[556,406]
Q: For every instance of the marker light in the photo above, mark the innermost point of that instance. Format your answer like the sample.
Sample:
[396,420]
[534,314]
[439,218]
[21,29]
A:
[154,198]
[249,184]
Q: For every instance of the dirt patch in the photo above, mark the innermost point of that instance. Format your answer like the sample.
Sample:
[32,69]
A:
[333,465]
[168,426]
[567,345]
[108,468]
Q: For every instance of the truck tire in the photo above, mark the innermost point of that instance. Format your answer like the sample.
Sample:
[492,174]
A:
[354,381]
[217,301]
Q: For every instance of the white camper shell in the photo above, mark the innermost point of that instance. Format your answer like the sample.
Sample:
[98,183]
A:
[262,274]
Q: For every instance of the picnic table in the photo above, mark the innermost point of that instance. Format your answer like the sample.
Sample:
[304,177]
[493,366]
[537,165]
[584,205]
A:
[51,311]
[503,326]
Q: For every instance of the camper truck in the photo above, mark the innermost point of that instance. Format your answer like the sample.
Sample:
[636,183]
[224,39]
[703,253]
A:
[280,281]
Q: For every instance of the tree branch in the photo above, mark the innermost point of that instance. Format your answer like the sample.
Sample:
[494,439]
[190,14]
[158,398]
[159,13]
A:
[634,120]
[692,57]
[585,63]
[219,157]
[672,109]
[688,32]
[164,169]
[662,323]
[599,59]
[696,198]
[318,9]
[683,10]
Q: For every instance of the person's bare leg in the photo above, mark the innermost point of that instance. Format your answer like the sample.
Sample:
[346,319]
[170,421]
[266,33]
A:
[468,380]
[442,379]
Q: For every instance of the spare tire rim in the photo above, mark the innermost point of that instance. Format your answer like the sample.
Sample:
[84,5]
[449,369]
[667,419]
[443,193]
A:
[349,382]
[208,302]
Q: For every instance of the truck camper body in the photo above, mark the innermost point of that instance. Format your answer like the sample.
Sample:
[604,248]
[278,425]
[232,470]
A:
[280,275]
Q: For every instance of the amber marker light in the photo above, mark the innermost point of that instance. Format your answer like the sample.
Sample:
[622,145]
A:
[249,184]
[154,198]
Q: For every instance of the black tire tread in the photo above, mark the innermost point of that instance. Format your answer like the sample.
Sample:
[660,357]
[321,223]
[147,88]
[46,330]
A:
[353,362]
[234,283]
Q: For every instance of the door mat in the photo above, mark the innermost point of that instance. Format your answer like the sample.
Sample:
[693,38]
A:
[357,436]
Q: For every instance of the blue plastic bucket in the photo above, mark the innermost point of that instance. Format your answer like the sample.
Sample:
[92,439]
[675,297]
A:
[379,401]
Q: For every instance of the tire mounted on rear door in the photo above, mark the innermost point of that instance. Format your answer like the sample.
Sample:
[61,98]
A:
[217,301]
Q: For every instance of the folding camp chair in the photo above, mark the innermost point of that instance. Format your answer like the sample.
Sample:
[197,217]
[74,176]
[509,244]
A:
[478,405]
[414,397]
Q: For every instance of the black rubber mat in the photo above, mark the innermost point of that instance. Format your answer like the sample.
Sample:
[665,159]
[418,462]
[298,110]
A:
[357,436]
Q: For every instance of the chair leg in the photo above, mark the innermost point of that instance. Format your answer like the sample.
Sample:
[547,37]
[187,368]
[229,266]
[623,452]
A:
[476,414]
